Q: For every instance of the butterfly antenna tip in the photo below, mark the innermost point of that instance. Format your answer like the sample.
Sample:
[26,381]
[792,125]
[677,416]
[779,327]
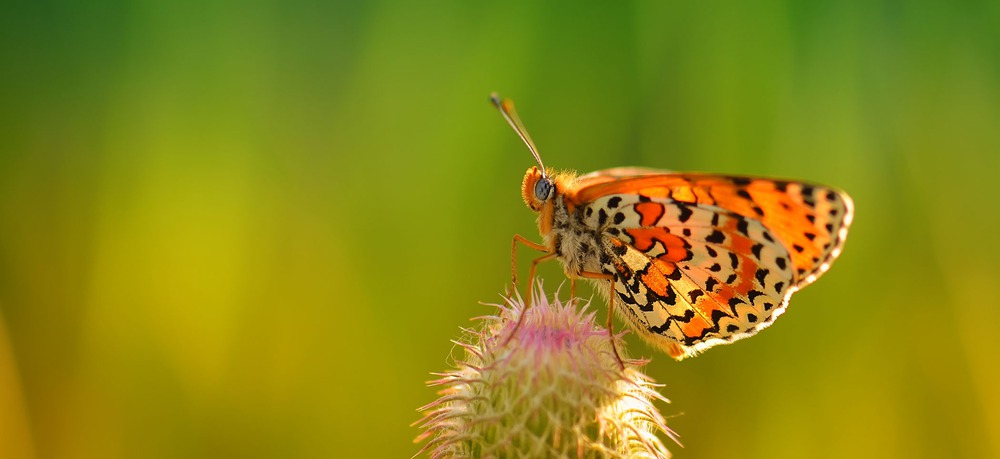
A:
[506,107]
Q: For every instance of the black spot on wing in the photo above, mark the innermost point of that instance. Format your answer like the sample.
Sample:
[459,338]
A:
[650,304]
[688,315]
[716,237]
[614,201]
[685,213]
[733,302]
[671,296]
[761,275]
[626,298]
[743,227]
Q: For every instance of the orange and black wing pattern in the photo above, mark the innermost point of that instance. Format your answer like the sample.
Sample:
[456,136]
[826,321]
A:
[703,259]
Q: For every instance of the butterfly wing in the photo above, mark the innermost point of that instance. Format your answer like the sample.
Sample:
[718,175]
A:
[810,220]
[704,259]
[616,174]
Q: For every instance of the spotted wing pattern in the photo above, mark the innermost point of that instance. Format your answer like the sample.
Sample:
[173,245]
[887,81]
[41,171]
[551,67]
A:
[810,220]
[701,260]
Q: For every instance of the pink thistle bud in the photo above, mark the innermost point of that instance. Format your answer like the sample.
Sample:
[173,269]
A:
[552,389]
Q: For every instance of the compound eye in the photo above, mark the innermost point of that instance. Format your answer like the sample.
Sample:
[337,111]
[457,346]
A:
[543,187]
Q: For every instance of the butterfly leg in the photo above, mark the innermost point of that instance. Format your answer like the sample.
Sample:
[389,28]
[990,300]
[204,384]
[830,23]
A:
[513,259]
[531,271]
[611,311]
[531,284]
[572,288]
[531,274]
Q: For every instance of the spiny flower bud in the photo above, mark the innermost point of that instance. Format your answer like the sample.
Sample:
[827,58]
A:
[549,387]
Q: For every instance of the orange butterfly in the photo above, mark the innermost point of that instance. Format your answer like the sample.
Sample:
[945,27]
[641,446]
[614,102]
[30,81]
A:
[693,260]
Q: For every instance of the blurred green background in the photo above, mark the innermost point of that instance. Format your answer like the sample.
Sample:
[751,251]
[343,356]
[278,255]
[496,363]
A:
[249,229]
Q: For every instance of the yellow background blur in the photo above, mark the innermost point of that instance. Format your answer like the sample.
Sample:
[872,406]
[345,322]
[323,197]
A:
[250,230]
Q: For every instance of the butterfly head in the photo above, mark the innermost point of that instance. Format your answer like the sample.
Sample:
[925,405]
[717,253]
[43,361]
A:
[537,189]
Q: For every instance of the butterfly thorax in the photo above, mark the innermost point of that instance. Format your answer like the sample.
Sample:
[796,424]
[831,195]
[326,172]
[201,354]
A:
[577,241]
[577,244]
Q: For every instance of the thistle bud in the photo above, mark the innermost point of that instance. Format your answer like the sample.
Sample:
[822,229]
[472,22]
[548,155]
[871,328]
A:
[550,386]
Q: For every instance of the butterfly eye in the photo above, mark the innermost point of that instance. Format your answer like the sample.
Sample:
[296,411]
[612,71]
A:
[543,187]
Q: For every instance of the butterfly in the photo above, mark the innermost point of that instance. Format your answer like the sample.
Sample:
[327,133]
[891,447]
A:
[690,260]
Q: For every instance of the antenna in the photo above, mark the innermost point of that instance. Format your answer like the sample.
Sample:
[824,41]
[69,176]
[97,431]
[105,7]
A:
[506,107]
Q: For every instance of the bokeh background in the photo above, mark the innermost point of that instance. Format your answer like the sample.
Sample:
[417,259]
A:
[249,229]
